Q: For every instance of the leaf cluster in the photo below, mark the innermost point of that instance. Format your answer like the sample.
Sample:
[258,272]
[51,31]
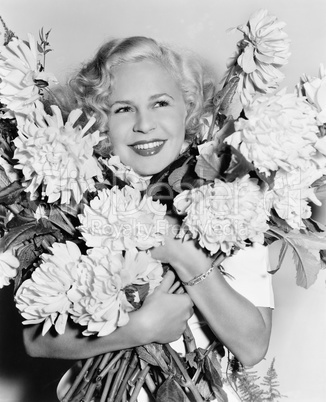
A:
[197,376]
[43,46]
[8,33]
[250,387]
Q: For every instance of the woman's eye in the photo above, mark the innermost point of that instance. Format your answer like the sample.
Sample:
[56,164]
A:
[123,109]
[161,103]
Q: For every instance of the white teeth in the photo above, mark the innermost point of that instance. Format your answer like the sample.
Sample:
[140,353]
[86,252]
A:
[149,145]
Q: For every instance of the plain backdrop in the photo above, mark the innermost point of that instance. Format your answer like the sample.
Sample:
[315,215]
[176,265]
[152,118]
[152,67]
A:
[78,27]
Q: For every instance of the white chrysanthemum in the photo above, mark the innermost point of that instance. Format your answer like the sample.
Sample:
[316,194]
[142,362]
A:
[315,91]
[20,76]
[126,173]
[57,156]
[123,219]
[223,215]
[264,48]
[280,132]
[8,267]
[99,296]
[292,193]
[44,297]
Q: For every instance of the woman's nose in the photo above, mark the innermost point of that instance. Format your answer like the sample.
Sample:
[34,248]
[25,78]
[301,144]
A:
[144,122]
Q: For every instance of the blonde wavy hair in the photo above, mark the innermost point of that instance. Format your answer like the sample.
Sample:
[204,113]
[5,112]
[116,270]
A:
[91,86]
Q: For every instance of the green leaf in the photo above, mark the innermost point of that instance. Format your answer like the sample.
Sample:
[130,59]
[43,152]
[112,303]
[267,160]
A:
[47,34]
[29,253]
[4,181]
[279,222]
[314,226]
[58,218]
[267,179]
[320,188]
[9,194]
[308,266]
[205,390]
[323,257]
[238,167]
[176,177]
[39,48]
[213,371]
[226,130]
[19,220]
[191,359]
[26,231]
[224,98]
[170,391]
[208,166]
[41,34]
[132,291]
[153,353]
[306,253]
[281,256]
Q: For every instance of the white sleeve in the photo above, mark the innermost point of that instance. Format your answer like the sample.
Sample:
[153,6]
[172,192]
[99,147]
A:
[248,274]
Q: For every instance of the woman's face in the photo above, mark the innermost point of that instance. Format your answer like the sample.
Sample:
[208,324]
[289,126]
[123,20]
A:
[147,116]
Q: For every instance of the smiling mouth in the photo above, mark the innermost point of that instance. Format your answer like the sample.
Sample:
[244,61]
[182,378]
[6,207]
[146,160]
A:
[147,148]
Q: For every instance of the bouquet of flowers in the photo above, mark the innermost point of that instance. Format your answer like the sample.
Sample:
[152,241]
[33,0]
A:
[77,228]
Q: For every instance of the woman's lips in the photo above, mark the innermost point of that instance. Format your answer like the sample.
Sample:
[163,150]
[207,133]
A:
[144,148]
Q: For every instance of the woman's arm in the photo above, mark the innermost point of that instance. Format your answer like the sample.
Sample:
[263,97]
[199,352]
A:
[242,327]
[162,318]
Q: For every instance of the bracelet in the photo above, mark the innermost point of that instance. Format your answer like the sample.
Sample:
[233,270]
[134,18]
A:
[199,278]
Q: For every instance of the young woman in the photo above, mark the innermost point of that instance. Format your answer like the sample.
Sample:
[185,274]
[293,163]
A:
[150,99]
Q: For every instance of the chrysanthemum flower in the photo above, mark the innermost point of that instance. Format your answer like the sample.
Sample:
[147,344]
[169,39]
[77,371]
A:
[123,219]
[44,297]
[315,91]
[126,173]
[91,289]
[279,131]
[264,48]
[8,267]
[57,156]
[223,216]
[292,193]
[21,76]
[99,295]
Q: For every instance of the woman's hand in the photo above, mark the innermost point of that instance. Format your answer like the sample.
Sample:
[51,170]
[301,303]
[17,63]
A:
[164,314]
[184,255]
[165,252]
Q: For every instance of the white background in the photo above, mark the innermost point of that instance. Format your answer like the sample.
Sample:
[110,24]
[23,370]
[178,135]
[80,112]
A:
[78,28]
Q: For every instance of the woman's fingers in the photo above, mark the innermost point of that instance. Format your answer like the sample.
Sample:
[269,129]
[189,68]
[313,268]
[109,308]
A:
[179,291]
[174,287]
[167,281]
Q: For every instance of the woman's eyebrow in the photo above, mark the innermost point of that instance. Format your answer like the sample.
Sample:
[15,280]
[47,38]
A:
[159,95]
[151,98]
[125,102]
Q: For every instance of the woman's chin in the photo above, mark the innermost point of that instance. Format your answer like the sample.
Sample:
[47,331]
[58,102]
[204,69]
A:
[149,169]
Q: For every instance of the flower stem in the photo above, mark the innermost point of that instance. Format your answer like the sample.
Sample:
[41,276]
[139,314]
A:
[211,128]
[118,377]
[108,381]
[112,362]
[132,365]
[188,383]
[140,382]
[189,340]
[78,380]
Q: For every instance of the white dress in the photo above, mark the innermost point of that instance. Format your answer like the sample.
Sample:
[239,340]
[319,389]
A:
[248,274]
